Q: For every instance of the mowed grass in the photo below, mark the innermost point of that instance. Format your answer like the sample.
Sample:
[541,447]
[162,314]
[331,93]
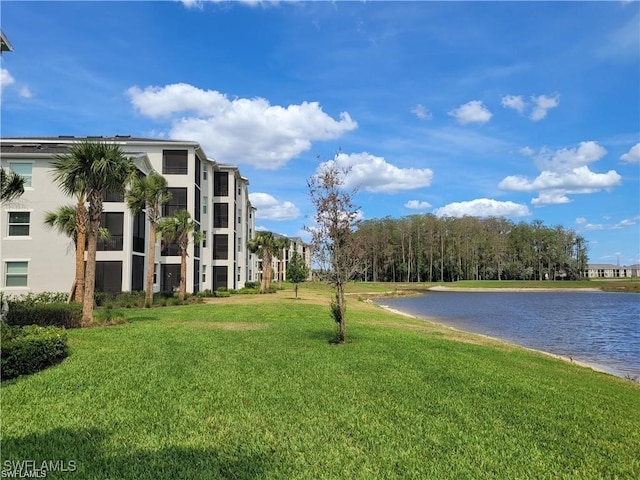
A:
[252,387]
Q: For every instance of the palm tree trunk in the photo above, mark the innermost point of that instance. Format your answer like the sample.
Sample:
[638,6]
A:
[183,274]
[90,277]
[81,240]
[150,264]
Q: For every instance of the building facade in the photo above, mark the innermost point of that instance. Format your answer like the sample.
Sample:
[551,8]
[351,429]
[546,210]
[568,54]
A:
[609,270]
[36,259]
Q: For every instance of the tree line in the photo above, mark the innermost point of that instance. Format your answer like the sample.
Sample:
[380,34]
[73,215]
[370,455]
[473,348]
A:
[426,248]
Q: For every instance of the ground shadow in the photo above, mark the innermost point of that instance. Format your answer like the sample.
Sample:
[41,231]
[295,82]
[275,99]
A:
[82,454]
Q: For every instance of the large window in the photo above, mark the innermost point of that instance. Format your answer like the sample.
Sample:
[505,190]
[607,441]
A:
[19,224]
[221,184]
[114,223]
[109,276]
[25,170]
[220,215]
[178,201]
[175,162]
[219,277]
[170,277]
[16,274]
[139,232]
[220,247]
[137,273]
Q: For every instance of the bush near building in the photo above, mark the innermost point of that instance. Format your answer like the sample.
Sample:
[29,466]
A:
[29,349]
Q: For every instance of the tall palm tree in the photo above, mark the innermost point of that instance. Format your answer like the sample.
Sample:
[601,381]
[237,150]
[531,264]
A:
[149,194]
[281,243]
[93,168]
[266,245]
[11,185]
[180,228]
[65,221]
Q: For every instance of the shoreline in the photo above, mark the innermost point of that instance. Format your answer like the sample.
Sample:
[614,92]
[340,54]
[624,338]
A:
[442,288]
[434,321]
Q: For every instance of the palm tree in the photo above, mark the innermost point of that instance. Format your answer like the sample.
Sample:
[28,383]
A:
[149,194]
[266,244]
[89,170]
[65,221]
[281,243]
[179,228]
[11,185]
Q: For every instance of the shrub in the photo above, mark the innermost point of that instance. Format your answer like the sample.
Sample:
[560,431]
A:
[42,297]
[252,285]
[205,293]
[66,315]
[222,293]
[30,349]
[109,316]
[247,291]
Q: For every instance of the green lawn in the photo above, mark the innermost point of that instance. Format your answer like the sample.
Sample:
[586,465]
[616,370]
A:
[251,387]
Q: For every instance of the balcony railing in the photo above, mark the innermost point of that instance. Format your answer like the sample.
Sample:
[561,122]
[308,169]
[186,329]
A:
[112,244]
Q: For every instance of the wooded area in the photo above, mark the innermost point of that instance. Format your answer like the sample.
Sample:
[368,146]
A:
[426,248]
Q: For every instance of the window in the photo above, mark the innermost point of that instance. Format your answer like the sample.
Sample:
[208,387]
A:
[205,201]
[16,274]
[239,244]
[220,247]
[221,184]
[174,162]
[204,273]
[204,174]
[155,273]
[25,170]
[178,201]
[114,222]
[204,239]
[220,215]
[219,277]
[19,224]
[113,196]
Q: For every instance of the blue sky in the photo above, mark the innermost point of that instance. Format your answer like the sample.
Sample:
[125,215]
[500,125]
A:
[526,110]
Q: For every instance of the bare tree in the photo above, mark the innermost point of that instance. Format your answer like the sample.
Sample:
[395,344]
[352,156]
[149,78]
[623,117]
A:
[336,219]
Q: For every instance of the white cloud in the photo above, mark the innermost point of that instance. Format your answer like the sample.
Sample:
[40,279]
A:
[24,92]
[627,222]
[633,155]
[421,112]
[526,151]
[417,205]
[241,130]
[471,112]
[563,172]
[515,102]
[269,208]
[581,220]
[376,175]
[591,226]
[5,78]
[483,207]
[542,104]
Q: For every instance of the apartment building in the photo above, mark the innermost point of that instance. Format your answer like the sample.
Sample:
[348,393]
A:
[35,258]
[609,270]
[280,262]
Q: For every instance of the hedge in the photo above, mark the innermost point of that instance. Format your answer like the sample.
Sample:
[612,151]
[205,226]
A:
[68,315]
[29,349]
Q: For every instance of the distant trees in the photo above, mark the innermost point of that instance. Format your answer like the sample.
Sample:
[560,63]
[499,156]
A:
[428,248]
[297,270]
[333,243]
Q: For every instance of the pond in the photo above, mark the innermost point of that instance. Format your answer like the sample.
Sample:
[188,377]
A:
[599,328]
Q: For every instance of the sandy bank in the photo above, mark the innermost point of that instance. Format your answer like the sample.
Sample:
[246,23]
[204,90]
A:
[440,288]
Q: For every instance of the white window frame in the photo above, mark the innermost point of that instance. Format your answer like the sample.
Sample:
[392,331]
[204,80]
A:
[10,224]
[6,273]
